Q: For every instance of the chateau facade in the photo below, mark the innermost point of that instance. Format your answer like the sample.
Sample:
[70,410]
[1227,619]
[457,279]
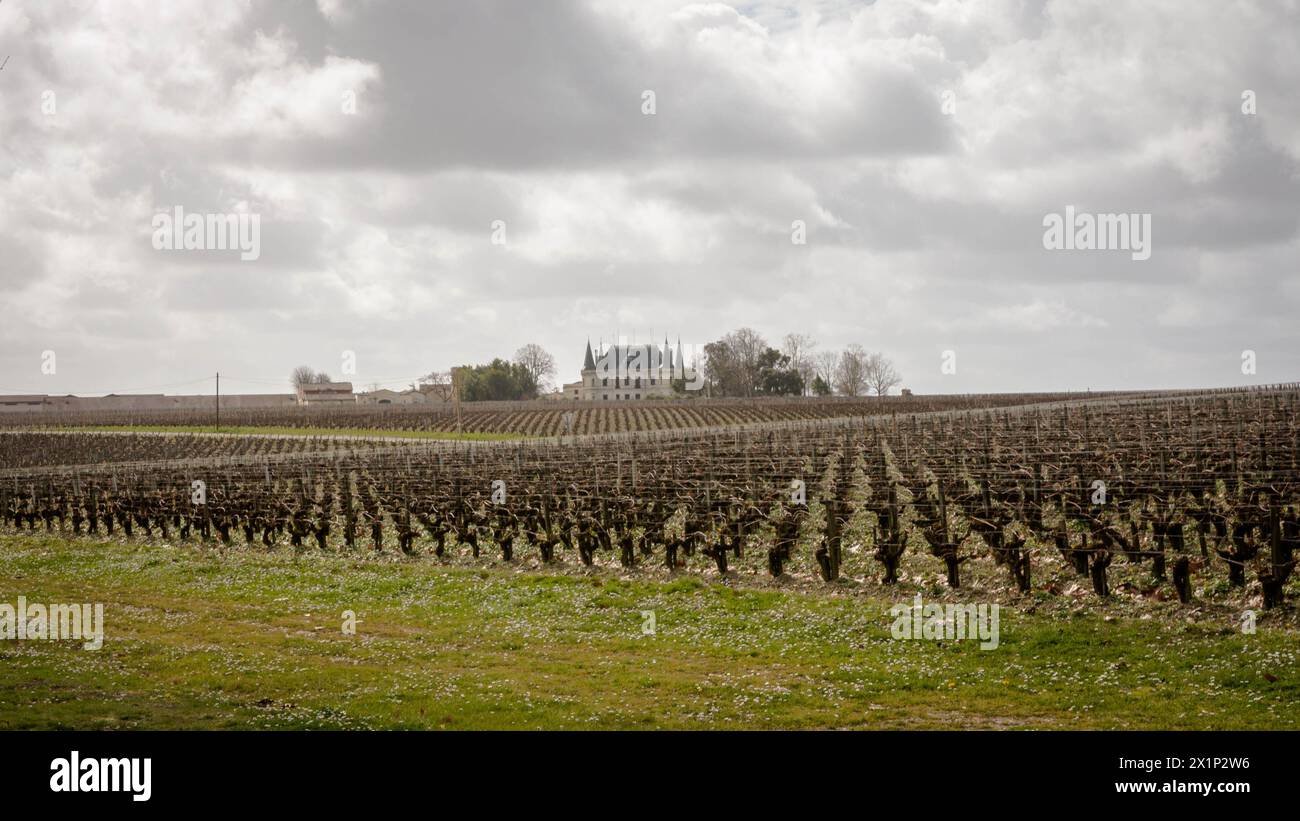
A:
[629,372]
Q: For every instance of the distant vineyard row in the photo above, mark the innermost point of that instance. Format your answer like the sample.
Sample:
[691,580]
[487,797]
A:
[541,418]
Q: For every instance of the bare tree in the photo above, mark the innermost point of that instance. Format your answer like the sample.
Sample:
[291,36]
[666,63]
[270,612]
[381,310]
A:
[539,364]
[302,375]
[851,371]
[438,384]
[748,346]
[322,378]
[881,375]
[826,363]
[800,347]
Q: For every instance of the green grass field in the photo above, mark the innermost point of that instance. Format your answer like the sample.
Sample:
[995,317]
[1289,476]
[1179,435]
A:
[288,431]
[238,639]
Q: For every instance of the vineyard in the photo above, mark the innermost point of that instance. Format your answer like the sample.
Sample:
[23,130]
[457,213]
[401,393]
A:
[535,418]
[1175,493]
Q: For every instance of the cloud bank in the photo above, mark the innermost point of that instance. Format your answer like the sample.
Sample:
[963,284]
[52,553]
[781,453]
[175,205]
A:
[384,145]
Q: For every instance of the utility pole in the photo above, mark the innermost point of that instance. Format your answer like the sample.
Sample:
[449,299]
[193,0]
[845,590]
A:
[218,401]
[455,395]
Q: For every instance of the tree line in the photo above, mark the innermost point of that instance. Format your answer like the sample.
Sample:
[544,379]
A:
[303,375]
[742,363]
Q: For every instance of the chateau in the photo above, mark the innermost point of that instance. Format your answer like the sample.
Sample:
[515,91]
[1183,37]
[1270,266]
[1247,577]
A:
[629,372]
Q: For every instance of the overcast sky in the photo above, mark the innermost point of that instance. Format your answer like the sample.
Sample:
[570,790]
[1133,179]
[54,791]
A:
[921,144]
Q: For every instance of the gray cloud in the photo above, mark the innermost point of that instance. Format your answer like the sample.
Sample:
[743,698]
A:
[924,226]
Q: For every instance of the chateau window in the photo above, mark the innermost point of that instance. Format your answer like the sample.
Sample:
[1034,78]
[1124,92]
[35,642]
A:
[605,396]
[638,396]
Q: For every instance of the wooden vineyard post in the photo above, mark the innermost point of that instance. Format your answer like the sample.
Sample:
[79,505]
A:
[1183,579]
[1281,561]
[455,396]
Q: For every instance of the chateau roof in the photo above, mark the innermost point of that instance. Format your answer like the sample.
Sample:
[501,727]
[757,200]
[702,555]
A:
[644,357]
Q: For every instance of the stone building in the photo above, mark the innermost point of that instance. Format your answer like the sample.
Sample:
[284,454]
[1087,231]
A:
[325,393]
[385,396]
[629,372]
